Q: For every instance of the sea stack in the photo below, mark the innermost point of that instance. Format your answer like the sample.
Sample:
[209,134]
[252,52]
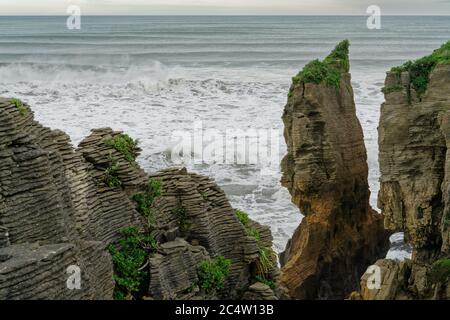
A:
[325,171]
[414,137]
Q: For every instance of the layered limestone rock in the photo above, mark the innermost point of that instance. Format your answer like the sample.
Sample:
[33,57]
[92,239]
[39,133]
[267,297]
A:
[259,291]
[210,228]
[39,215]
[414,136]
[62,208]
[325,170]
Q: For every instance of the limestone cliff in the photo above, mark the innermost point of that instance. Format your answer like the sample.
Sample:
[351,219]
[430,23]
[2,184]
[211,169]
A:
[325,170]
[169,235]
[414,136]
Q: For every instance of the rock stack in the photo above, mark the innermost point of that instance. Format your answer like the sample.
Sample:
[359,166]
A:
[62,208]
[325,170]
[414,136]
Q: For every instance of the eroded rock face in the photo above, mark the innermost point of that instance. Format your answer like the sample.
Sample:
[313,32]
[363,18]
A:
[414,136]
[414,163]
[211,228]
[58,209]
[45,198]
[326,171]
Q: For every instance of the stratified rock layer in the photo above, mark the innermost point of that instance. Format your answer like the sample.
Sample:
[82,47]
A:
[414,137]
[57,211]
[325,170]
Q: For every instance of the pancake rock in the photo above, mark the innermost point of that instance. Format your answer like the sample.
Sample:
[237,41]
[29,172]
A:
[89,223]
[414,136]
[325,170]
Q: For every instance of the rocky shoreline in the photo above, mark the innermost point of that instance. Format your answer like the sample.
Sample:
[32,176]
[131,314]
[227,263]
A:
[94,207]
[174,235]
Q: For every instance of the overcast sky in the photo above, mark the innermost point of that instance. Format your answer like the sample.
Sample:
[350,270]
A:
[194,7]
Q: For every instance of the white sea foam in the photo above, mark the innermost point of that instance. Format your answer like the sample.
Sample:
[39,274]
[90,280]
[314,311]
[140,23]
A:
[150,102]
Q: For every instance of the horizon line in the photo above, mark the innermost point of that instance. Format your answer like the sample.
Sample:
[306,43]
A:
[225,15]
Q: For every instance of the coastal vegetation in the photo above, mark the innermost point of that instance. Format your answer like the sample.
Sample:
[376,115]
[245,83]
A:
[129,259]
[265,254]
[124,144]
[19,105]
[392,88]
[420,69]
[441,270]
[329,70]
[144,200]
[213,273]
[111,175]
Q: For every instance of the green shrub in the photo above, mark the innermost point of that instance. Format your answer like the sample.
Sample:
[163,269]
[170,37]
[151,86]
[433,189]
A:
[212,273]
[19,105]
[440,270]
[329,70]
[420,70]
[242,217]
[144,200]
[154,187]
[128,259]
[267,282]
[143,206]
[111,176]
[124,144]
[317,72]
[392,88]
[181,215]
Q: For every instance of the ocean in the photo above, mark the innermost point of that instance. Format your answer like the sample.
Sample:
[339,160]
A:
[153,75]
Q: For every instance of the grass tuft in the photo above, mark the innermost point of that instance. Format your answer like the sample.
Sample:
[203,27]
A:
[124,144]
[111,175]
[213,273]
[242,217]
[20,106]
[265,255]
[329,70]
[265,263]
[420,70]
[181,215]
